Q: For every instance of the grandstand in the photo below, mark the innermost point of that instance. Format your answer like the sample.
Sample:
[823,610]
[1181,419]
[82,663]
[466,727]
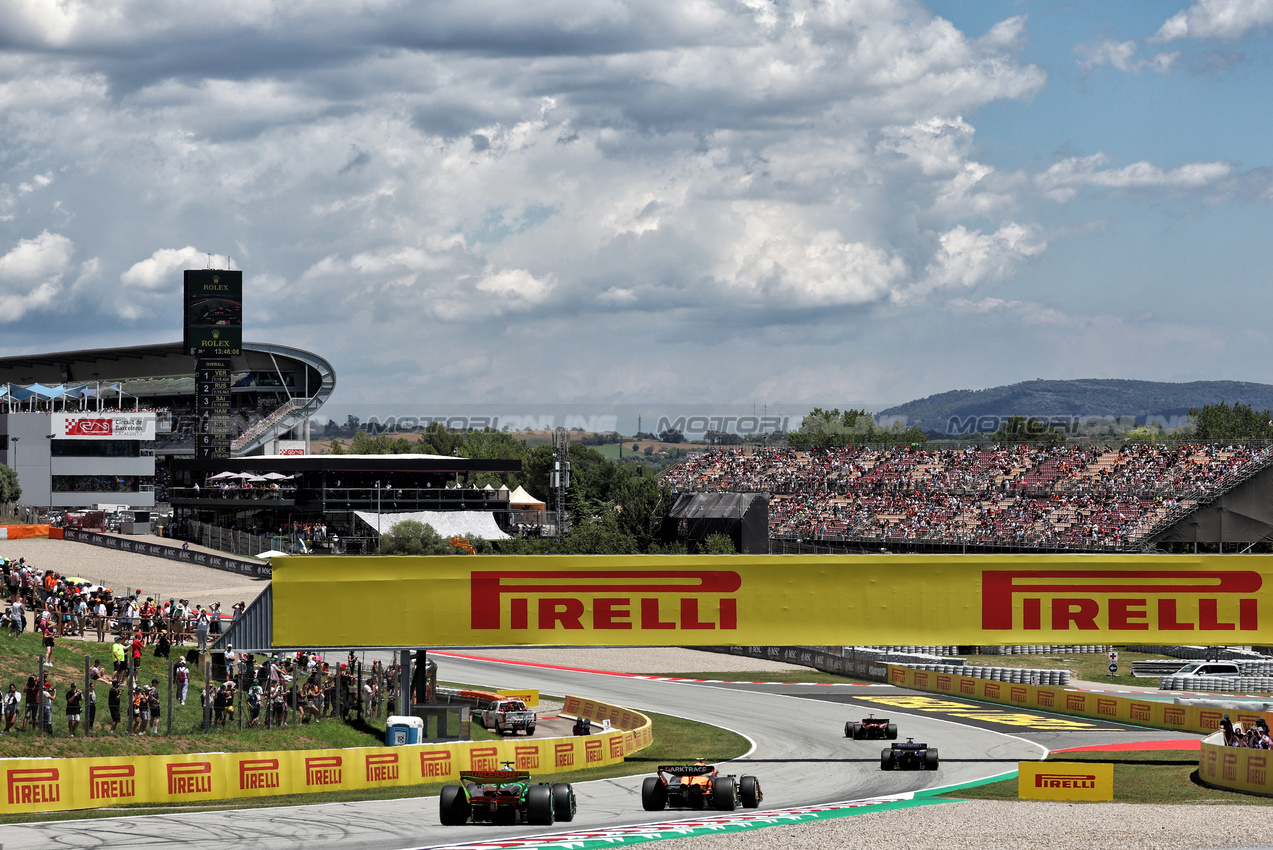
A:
[275,389]
[1022,497]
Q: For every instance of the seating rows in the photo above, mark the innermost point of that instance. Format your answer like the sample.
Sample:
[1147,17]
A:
[1090,497]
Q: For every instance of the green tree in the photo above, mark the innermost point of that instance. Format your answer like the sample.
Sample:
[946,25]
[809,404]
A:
[437,440]
[641,503]
[1019,429]
[1240,422]
[826,429]
[10,491]
[598,534]
[414,538]
[717,544]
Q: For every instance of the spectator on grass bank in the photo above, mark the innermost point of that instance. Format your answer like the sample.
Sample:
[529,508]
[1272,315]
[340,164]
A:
[17,616]
[182,675]
[31,698]
[112,700]
[120,656]
[74,707]
[152,698]
[46,707]
[12,703]
[46,630]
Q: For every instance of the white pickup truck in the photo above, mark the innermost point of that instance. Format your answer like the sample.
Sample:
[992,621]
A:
[508,717]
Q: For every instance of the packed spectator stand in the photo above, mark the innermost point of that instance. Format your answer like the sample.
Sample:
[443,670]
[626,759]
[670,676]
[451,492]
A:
[1085,497]
[273,691]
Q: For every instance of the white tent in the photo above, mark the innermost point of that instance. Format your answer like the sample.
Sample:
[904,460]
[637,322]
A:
[519,498]
[446,523]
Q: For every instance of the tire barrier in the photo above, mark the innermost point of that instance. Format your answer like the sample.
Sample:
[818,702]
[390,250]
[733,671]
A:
[1043,649]
[1203,653]
[1012,675]
[1218,684]
[255,569]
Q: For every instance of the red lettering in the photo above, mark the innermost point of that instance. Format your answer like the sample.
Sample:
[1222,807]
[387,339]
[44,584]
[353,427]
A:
[1123,611]
[560,613]
[519,616]
[689,616]
[1032,613]
[729,613]
[650,616]
[1167,617]
[1209,616]
[1248,615]
[1081,612]
[612,613]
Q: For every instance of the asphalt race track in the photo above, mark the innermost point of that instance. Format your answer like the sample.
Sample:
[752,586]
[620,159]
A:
[800,755]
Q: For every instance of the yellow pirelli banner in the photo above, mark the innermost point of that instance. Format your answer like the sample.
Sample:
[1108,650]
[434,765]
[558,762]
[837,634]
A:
[1060,780]
[1235,768]
[1059,700]
[773,600]
[638,730]
[50,785]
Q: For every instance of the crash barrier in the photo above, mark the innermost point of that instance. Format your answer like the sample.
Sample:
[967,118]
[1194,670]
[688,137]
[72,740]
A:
[1234,768]
[255,569]
[1202,653]
[710,600]
[21,532]
[862,665]
[1152,713]
[51,785]
[1044,649]
[1015,675]
[637,729]
[1155,668]
[871,663]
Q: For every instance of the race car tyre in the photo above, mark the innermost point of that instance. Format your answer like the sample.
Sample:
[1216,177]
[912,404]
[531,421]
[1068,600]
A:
[724,794]
[853,730]
[848,730]
[539,805]
[749,792]
[564,801]
[887,762]
[530,730]
[453,806]
[891,733]
[930,760]
[653,794]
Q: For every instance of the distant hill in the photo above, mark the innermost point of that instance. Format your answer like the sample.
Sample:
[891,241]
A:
[960,412]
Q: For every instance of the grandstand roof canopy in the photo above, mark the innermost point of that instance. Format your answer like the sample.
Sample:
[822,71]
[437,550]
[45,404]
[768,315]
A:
[151,361]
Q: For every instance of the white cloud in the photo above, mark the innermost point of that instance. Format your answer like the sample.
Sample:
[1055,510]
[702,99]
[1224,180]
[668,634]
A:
[968,258]
[1225,19]
[1063,180]
[31,274]
[1122,55]
[162,270]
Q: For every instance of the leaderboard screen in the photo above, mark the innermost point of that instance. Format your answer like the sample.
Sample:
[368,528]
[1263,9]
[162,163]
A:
[214,312]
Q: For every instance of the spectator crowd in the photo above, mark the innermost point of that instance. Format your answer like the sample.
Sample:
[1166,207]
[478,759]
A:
[274,691]
[1056,496]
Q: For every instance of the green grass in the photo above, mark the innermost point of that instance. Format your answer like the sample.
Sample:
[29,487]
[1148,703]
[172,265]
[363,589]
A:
[1157,777]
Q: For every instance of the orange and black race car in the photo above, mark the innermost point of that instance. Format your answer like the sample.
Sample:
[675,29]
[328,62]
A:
[698,786]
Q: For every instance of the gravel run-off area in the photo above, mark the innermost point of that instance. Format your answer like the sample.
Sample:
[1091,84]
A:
[946,826]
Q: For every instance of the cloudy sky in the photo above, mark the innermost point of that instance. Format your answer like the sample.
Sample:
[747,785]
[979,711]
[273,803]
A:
[730,201]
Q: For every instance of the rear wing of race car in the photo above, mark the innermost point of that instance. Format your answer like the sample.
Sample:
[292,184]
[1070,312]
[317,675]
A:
[686,769]
[875,721]
[909,745]
[495,776]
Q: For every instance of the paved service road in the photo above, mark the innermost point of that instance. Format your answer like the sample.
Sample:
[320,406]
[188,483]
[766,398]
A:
[800,756]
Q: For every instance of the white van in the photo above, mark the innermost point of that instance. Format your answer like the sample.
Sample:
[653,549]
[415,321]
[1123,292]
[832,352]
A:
[1209,668]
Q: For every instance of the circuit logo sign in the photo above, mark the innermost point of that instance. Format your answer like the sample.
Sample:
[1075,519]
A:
[644,600]
[1120,600]
[88,427]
